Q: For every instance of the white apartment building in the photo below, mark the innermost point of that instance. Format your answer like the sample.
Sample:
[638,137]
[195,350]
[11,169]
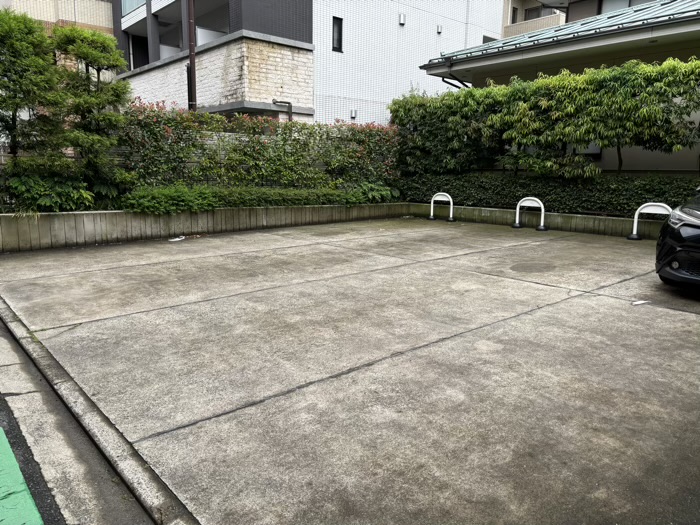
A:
[91,14]
[383,44]
[331,59]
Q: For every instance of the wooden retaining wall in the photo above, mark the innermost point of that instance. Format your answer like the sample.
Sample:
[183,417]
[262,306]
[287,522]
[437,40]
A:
[60,230]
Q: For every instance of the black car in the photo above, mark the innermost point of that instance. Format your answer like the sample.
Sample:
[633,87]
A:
[678,248]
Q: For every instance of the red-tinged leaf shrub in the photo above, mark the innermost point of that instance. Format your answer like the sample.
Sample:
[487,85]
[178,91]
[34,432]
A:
[165,145]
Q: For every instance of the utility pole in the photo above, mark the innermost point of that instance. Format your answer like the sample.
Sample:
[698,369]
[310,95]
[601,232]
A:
[191,67]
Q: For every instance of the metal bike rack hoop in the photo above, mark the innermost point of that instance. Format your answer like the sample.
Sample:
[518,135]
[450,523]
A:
[534,202]
[649,207]
[443,197]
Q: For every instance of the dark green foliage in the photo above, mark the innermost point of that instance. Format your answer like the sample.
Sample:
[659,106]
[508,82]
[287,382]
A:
[180,198]
[607,194]
[449,133]
[89,105]
[539,126]
[165,145]
[27,79]
[48,183]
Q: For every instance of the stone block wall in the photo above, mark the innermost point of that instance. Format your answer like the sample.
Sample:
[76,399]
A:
[281,72]
[235,71]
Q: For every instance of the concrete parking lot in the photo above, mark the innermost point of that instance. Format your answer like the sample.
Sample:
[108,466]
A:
[386,372]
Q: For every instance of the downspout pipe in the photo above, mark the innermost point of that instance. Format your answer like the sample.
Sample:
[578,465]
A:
[448,63]
[450,83]
[464,84]
[290,109]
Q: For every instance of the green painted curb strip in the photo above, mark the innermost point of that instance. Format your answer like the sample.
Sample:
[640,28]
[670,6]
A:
[17,505]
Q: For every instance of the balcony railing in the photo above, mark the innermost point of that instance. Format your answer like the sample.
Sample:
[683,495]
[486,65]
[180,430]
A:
[129,5]
[535,24]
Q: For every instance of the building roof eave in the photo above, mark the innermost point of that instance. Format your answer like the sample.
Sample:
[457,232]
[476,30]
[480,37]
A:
[665,13]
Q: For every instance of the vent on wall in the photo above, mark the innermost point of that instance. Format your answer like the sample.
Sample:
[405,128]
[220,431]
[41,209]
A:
[402,19]
[439,29]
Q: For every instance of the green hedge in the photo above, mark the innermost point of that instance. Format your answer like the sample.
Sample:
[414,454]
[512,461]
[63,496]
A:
[163,146]
[178,198]
[541,126]
[609,194]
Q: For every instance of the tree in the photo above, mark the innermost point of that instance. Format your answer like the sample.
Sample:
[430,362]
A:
[90,102]
[27,78]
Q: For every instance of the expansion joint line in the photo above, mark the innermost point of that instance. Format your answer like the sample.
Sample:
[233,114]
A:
[343,373]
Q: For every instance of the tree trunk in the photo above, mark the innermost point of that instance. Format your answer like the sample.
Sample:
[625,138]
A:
[14,144]
[619,159]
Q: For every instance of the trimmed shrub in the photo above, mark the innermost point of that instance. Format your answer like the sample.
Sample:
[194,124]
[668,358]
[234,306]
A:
[539,126]
[180,198]
[164,146]
[607,194]
[50,183]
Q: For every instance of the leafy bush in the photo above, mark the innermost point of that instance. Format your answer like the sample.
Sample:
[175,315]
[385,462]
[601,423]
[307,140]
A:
[163,146]
[179,198]
[539,126]
[50,183]
[608,194]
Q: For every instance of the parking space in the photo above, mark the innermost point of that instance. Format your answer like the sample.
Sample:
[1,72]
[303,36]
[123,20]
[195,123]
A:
[386,372]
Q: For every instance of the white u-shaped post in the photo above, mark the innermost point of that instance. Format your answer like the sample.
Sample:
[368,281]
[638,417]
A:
[536,203]
[442,197]
[649,207]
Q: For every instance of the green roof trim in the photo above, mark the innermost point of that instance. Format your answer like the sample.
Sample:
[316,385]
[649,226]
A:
[641,16]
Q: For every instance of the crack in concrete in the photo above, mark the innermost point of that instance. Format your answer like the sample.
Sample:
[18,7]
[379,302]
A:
[345,372]
[68,328]
[15,394]
[281,286]
[461,254]
[299,244]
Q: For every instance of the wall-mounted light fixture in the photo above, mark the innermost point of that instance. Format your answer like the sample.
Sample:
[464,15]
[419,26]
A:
[402,19]
[439,30]
[353,114]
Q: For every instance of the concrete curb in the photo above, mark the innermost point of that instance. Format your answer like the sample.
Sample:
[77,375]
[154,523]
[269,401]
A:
[153,494]
[88,228]
[595,224]
[71,229]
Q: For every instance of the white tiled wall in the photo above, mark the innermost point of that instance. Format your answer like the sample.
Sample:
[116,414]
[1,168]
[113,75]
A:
[380,58]
[90,12]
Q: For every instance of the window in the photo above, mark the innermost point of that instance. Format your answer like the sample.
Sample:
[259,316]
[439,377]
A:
[533,12]
[337,34]
[514,16]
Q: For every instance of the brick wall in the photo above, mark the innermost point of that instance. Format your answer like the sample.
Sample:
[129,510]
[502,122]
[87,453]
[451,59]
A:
[245,69]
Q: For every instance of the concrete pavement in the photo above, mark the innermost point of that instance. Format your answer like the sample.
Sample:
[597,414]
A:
[399,372]
[69,479]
